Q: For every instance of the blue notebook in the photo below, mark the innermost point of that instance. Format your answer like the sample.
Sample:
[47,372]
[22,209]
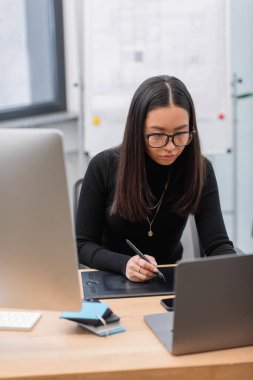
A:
[90,313]
[96,317]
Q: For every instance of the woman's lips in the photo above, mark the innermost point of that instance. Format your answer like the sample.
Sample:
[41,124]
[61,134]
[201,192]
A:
[168,157]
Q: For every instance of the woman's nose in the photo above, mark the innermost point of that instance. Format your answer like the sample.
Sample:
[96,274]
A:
[169,146]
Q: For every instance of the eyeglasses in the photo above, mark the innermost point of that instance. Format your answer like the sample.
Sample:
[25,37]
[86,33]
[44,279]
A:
[159,140]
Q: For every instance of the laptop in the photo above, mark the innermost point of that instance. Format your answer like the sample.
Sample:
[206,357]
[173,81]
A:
[103,284]
[213,307]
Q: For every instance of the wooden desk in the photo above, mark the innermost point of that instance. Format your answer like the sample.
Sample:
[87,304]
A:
[59,349]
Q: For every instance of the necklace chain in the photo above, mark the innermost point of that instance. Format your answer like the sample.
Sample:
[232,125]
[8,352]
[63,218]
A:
[157,207]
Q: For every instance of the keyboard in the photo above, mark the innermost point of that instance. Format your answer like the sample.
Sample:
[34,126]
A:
[18,320]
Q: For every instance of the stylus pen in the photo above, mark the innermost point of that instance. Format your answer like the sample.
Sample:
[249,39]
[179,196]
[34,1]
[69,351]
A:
[140,254]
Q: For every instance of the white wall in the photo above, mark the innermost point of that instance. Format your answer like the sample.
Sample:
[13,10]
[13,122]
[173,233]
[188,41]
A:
[241,64]
[241,29]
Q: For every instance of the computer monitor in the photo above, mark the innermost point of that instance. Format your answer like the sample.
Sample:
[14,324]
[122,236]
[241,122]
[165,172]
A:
[38,260]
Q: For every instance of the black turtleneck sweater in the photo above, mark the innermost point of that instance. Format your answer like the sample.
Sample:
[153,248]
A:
[101,239]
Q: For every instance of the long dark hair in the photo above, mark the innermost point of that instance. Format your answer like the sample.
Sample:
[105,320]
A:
[133,197]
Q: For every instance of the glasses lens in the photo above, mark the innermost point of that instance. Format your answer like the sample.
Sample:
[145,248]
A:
[183,139]
[157,141]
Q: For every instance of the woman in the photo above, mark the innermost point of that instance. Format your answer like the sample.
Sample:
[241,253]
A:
[145,189]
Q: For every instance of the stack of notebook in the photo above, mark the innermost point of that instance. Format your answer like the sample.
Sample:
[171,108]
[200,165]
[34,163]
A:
[97,317]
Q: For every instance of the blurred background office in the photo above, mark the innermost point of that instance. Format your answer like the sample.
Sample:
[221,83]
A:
[75,64]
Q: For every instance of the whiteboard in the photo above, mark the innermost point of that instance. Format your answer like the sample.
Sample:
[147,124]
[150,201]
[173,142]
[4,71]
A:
[128,41]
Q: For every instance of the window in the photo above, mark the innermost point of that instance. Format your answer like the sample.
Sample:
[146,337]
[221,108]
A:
[32,72]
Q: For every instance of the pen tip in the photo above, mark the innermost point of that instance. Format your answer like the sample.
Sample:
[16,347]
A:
[161,276]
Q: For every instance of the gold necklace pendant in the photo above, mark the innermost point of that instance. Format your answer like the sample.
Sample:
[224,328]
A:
[157,207]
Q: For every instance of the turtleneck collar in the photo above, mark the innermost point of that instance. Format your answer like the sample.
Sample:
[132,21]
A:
[157,175]
[154,168]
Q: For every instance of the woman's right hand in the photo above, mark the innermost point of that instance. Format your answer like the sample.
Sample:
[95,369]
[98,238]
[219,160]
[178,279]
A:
[139,270]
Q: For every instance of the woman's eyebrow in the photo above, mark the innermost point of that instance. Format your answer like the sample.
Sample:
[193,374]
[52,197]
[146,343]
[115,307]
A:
[181,127]
[162,129]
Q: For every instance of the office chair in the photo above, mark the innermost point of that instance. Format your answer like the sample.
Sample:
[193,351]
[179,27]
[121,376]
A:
[190,240]
[191,243]
[76,194]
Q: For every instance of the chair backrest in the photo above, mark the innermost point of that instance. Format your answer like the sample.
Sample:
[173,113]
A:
[190,240]
[76,194]
[191,243]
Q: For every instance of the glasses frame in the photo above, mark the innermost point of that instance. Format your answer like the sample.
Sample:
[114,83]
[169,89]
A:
[168,137]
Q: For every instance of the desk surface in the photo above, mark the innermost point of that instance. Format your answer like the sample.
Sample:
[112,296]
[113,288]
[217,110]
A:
[59,349]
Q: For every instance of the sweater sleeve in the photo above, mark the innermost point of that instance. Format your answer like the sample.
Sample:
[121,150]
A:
[209,220]
[91,218]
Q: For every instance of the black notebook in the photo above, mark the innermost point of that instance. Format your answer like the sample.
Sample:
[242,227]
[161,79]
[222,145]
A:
[103,284]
